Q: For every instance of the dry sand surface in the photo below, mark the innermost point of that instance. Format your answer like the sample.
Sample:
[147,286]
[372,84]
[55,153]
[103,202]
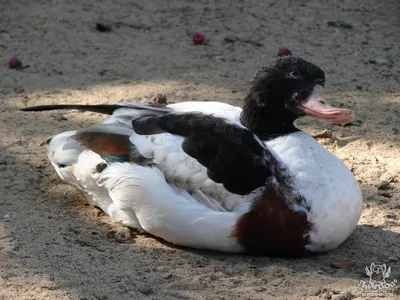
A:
[54,246]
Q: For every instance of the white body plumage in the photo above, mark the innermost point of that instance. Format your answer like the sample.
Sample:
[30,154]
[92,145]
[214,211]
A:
[179,203]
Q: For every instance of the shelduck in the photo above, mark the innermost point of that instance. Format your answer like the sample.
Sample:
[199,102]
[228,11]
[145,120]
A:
[214,176]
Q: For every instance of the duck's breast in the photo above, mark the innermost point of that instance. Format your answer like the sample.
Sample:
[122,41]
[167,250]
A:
[331,191]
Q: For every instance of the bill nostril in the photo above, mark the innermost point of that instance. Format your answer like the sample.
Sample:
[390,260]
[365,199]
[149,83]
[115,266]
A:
[322,102]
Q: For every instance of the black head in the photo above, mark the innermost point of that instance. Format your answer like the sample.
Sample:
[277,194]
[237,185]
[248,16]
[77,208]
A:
[288,88]
[283,84]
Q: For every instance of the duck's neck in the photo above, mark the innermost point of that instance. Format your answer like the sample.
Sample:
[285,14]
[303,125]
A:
[264,122]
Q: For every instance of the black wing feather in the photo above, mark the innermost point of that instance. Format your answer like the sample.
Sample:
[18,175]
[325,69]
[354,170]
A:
[232,154]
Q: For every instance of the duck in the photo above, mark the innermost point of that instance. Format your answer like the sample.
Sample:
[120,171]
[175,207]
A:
[210,175]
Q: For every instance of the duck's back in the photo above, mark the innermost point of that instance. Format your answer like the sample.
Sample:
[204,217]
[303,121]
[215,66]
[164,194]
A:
[218,109]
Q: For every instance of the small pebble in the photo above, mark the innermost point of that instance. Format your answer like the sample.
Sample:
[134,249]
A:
[340,264]
[390,177]
[145,290]
[201,263]
[316,293]
[123,235]
[61,118]
[231,39]
[14,63]
[379,61]
[384,185]
[346,296]
[103,27]
[339,24]
[6,217]
[99,296]
[324,134]
[328,297]
[103,72]
[168,276]
[159,99]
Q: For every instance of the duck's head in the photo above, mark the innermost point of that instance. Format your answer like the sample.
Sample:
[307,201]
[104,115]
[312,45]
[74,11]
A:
[288,88]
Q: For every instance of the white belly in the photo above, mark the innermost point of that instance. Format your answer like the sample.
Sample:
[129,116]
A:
[329,187]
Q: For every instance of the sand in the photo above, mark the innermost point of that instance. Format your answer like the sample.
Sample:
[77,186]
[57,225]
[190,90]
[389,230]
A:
[55,246]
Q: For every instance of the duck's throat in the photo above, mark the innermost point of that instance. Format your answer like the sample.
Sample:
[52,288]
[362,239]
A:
[265,123]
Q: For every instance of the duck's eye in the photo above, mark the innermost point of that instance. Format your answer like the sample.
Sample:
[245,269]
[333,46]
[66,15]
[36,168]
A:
[294,74]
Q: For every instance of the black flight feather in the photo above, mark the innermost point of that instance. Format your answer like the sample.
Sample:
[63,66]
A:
[107,109]
[232,154]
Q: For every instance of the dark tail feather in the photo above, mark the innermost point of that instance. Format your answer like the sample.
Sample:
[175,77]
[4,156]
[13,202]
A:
[107,109]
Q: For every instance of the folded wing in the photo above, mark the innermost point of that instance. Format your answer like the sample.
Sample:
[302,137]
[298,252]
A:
[232,154]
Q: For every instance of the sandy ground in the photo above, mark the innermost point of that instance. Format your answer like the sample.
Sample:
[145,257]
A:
[54,246]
